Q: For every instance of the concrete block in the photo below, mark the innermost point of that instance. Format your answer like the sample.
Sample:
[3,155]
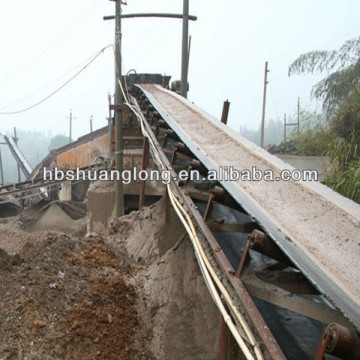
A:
[101,206]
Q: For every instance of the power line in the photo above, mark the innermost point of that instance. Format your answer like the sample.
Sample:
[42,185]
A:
[48,84]
[59,88]
[340,37]
[24,67]
[70,118]
[325,44]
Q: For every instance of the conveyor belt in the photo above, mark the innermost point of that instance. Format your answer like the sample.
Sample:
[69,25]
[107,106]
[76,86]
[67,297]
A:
[317,228]
[18,155]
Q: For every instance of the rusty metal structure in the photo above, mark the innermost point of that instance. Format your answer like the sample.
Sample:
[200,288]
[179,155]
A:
[93,151]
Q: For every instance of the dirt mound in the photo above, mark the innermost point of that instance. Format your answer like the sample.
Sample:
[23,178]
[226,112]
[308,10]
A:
[8,209]
[76,210]
[177,304]
[5,261]
[136,293]
[172,296]
[68,299]
[145,235]
[54,217]
[12,238]
[34,208]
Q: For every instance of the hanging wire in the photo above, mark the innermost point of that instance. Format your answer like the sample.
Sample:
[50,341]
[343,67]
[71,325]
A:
[60,87]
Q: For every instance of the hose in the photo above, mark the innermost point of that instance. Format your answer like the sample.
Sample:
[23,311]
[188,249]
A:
[206,268]
[208,280]
[218,282]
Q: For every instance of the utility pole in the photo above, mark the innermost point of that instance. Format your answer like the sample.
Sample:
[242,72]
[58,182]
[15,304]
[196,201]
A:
[298,116]
[185,50]
[1,169]
[118,106]
[290,124]
[119,192]
[110,130]
[185,36]
[71,118]
[264,106]
[91,124]
[16,142]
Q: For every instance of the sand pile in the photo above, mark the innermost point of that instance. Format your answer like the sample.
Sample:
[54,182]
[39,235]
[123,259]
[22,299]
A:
[144,234]
[38,220]
[8,210]
[13,237]
[177,304]
[134,293]
[172,296]
[56,216]
[67,298]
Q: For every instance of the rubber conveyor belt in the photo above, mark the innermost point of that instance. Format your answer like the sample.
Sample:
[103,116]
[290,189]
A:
[317,228]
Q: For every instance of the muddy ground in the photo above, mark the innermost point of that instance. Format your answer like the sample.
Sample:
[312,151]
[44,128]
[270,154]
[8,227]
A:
[134,292]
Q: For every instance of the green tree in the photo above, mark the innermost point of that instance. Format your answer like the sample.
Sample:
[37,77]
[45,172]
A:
[313,137]
[340,92]
[343,65]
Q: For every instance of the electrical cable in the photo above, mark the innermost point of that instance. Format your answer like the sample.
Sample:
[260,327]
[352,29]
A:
[59,88]
[210,284]
[50,46]
[204,260]
[49,84]
[218,282]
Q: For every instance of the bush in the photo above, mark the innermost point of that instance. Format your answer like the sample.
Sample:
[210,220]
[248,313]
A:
[346,122]
[314,137]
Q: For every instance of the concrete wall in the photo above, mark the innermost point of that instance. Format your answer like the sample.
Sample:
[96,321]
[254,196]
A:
[65,191]
[101,205]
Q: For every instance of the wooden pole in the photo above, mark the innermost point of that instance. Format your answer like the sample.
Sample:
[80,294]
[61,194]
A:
[264,106]
[225,112]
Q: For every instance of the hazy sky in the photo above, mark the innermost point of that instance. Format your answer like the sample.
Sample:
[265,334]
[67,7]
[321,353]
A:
[43,44]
